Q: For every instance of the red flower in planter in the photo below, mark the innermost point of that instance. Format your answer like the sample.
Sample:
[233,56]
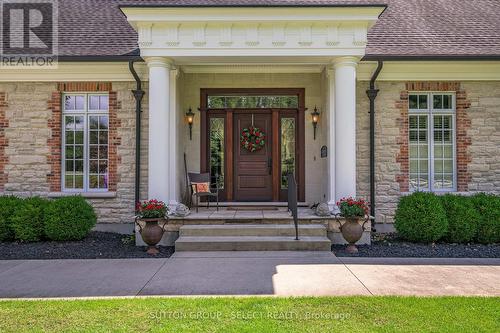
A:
[151,209]
[351,207]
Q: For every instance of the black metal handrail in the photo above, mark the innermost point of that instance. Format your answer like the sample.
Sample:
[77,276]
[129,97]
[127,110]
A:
[292,202]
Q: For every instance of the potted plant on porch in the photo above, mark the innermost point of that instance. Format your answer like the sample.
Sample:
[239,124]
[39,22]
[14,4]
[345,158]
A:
[352,210]
[151,213]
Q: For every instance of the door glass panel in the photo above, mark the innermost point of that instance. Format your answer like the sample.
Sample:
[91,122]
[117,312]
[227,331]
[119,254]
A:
[217,151]
[252,102]
[287,149]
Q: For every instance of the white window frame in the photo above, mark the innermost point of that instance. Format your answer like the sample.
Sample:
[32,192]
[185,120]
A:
[85,113]
[431,112]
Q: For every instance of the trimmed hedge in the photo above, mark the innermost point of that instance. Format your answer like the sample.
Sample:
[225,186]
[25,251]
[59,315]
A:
[8,205]
[462,218]
[420,217]
[488,208]
[425,217]
[28,219]
[69,218]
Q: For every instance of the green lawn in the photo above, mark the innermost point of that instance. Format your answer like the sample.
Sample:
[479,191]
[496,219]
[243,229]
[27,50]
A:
[255,314]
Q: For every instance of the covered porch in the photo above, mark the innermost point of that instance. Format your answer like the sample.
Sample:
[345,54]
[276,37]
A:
[267,68]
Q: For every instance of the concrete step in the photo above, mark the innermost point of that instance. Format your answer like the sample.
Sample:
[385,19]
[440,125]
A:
[252,243]
[252,230]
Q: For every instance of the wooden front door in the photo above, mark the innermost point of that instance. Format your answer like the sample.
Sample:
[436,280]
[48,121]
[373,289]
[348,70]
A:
[261,175]
[253,176]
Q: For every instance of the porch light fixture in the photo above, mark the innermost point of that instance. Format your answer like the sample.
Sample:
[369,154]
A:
[315,119]
[190,119]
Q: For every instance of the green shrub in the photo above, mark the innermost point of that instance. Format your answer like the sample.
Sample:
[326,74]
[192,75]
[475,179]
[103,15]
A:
[8,205]
[28,219]
[462,218]
[420,217]
[69,218]
[488,208]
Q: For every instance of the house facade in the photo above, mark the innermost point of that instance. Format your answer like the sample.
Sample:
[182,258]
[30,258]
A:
[355,98]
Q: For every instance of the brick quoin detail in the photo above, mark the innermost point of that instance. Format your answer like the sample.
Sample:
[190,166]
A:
[463,124]
[55,124]
[4,123]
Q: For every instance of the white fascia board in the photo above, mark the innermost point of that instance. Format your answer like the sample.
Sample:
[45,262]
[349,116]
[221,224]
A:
[257,52]
[252,14]
[75,71]
[432,71]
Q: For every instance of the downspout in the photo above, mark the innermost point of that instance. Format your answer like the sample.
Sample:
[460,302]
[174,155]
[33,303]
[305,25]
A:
[372,95]
[138,94]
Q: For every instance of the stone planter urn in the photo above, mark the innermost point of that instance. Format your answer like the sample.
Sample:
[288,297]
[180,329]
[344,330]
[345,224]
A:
[152,233]
[352,231]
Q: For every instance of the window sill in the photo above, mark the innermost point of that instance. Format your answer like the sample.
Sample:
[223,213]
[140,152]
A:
[89,195]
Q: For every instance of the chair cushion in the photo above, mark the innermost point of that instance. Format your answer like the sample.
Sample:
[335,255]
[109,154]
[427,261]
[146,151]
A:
[201,187]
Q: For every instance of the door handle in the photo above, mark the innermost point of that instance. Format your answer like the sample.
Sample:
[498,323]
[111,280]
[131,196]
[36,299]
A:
[270,165]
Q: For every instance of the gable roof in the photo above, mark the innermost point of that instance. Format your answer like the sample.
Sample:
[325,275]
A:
[407,29]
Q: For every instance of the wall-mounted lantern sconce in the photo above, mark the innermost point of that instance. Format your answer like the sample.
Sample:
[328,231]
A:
[190,119]
[315,119]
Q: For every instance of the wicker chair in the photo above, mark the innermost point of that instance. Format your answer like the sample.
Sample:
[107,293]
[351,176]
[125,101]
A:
[194,178]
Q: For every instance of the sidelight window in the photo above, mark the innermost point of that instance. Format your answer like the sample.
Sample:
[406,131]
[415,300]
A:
[287,149]
[217,151]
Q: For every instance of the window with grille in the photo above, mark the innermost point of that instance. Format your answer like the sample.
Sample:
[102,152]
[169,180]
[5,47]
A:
[85,142]
[432,141]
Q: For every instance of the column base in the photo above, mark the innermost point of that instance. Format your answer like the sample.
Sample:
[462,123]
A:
[333,207]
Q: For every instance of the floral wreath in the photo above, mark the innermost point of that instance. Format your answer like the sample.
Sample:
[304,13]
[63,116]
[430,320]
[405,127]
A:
[252,139]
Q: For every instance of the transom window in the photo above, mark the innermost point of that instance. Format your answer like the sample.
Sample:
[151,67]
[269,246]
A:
[252,102]
[85,142]
[432,141]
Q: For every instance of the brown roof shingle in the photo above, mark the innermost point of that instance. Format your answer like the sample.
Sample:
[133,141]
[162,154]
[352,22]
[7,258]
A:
[407,28]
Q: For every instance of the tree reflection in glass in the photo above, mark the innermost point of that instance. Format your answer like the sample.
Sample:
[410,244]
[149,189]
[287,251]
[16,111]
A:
[217,151]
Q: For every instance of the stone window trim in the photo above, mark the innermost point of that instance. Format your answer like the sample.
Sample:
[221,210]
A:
[54,178]
[463,124]
[88,195]
[4,142]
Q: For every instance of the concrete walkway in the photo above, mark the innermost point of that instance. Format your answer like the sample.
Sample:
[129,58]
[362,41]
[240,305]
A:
[249,273]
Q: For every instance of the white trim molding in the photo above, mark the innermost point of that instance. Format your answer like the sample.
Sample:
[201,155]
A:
[256,32]
[432,71]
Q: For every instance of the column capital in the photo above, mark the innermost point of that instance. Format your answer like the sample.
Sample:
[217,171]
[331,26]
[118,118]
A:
[330,72]
[159,62]
[347,61]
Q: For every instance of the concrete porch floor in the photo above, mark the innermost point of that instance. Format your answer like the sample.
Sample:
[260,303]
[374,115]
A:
[249,273]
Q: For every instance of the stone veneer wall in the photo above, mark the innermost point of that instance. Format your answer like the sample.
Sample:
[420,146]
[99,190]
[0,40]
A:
[478,140]
[25,156]
[484,149]
[32,130]
[4,123]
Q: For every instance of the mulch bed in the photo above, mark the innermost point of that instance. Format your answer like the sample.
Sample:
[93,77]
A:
[97,245]
[391,246]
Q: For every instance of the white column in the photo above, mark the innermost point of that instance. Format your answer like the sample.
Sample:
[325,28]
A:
[173,189]
[159,136]
[345,126]
[330,104]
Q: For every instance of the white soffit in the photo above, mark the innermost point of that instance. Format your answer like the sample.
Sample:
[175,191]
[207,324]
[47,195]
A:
[256,32]
[392,71]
